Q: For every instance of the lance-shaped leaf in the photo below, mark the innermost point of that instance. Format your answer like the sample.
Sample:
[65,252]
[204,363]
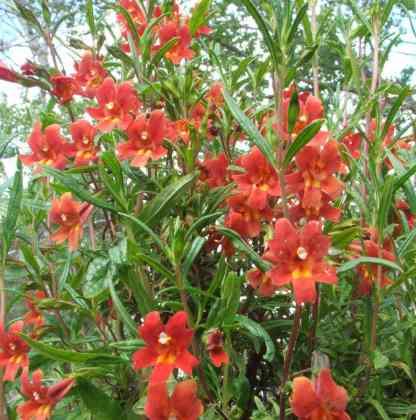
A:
[250,129]
[199,15]
[90,17]
[368,260]
[394,110]
[304,137]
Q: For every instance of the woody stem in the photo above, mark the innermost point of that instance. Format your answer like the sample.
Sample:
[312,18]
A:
[289,356]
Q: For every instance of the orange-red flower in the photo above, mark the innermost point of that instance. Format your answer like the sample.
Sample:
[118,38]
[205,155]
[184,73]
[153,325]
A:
[29,69]
[298,258]
[262,282]
[117,105]
[320,399]
[317,162]
[90,73]
[368,272]
[299,210]
[245,219]
[13,351]
[182,405]
[215,348]
[145,139]
[215,96]
[214,171]
[352,142]
[34,316]
[64,87]
[70,215]
[181,50]
[310,109]
[166,346]
[48,147]
[83,134]
[40,399]
[259,181]
[181,130]
[410,217]
[7,74]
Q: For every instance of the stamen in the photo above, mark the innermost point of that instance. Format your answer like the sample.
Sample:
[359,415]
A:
[302,253]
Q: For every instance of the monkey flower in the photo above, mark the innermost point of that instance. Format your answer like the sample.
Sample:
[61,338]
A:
[214,170]
[182,405]
[117,105]
[70,215]
[215,96]
[13,351]
[298,258]
[262,282]
[28,69]
[317,163]
[64,87]
[368,272]
[48,147]
[83,134]
[181,50]
[299,210]
[90,73]
[410,217]
[215,347]
[166,346]
[245,219]
[259,181]
[145,139]
[319,399]
[352,142]
[40,399]
[34,316]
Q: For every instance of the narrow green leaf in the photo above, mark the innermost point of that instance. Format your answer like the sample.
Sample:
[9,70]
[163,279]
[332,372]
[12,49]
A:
[264,29]
[387,197]
[202,222]
[394,110]
[368,260]
[298,19]
[90,17]
[250,129]
[61,355]
[13,209]
[379,408]
[73,185]
[191,254]
[130,23]
[162,51]
[304,137]
[120,55]
[199,15]
[257,330]
[94,283]
[29,17]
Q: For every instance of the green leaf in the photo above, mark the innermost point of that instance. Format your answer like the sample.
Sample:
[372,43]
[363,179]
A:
[202,222]
[379,408]
[153,211]
[255,329]
[230,295]
[29,17]
[191,254]
[394,110]
[162,51]
[120,308]
[301,15]
[367,260]
[264,29]
[130,23]
[72,184]
[101,405]
[244,247]
[380,361]
[61,355]
[387,196]
[250,129]
[95,278]
[13,209]
[90,17]
[304,137]
[199,15]
[120,55]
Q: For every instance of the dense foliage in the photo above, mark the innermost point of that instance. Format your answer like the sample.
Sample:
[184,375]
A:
[211,224]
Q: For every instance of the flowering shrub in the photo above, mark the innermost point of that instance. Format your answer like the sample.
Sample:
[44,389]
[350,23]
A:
[186,247]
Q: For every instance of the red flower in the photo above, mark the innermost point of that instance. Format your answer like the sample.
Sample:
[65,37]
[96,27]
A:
[71,216]
[319,399]
[28,69]
[117,105]
[64,87]
[299,210]
[318,162]
[310,109]
[34,316]
[410,217]
[373,129]
[14,351]
[368,272]
[7,74]
[145,139]
[215,347]
[215,96]
[259,181]
[182,405]
[41,399]
[298,258]
[166,346]
[352,142]
[181,130]
[214,171]
[83,134]
[262,282]
[90,73]
[245,219]
[181,50]
[48,148]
